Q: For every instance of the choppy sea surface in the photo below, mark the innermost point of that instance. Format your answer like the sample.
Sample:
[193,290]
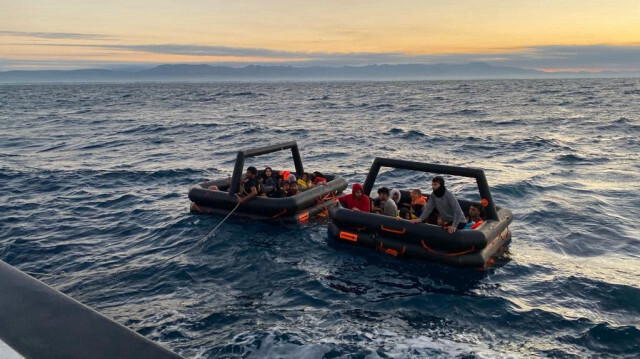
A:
[93,201]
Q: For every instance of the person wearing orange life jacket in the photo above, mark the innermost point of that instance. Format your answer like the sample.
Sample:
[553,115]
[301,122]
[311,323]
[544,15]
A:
[283,176]
[418,202]
[356,200]
[475,216]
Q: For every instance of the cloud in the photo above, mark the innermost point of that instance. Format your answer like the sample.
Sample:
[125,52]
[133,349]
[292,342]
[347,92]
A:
[568,56]
[56,35]
[597,57]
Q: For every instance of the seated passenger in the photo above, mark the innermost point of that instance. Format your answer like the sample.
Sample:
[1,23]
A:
[396,196]
[387,207]
[249,186]
[284,189]
[304,183]
[405,213]
[293,188]
[268,181]
[446,204]
[283,176]
[475,219]
[356,200]
[418,202]
[318,179]
[476,213]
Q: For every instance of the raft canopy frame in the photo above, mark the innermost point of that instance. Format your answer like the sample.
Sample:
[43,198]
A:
[238,169]
[478,174]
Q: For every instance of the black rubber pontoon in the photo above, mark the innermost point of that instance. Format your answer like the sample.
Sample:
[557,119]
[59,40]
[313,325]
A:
[469,248]
[305,205]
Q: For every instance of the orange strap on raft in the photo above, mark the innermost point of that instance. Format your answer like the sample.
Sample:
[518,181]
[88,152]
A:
[447,254]
[398,231]
[303,217]
[195,205]
[348,236]
[280,214]
[392,251]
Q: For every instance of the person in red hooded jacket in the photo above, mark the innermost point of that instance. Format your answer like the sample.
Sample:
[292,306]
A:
[357,200]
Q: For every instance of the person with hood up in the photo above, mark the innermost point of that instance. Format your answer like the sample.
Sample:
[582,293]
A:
[356,200]
[395,195]
[446,204]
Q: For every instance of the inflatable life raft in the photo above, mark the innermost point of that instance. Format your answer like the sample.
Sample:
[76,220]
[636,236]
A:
[399,237]
[298,208]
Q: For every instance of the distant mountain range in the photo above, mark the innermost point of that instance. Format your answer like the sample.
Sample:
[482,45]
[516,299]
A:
[185,72]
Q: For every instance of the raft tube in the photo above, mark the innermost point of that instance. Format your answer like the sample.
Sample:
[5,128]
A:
[399,237]
[299,208]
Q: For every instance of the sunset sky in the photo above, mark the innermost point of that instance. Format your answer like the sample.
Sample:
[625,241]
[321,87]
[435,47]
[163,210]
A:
[547,35]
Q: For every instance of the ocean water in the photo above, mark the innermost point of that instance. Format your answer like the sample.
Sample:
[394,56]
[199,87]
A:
[93,201]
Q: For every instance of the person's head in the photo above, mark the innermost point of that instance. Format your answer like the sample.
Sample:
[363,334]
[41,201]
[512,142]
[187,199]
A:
[383,193]
[415,194]
[357,190]
[292,178]
[251,172]
[475,211]
[441,221]
[405,213]
[437,182]
[305,177]
[268,171]
[395,195]
[293,187]
[318,174]
[286,186]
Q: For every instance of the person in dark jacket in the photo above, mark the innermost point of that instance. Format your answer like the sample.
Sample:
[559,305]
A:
[446,204]
[268,182]
[249,186]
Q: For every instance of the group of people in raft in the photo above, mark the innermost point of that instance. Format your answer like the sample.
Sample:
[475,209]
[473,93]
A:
[275,185]
[441,208]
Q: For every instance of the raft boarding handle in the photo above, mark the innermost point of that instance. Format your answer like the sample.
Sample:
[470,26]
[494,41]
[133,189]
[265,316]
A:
[398,231]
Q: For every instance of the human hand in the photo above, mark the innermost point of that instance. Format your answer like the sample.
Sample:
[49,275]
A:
[451,229]
[416,220]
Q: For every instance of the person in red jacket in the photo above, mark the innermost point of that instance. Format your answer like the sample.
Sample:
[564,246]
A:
[357,200]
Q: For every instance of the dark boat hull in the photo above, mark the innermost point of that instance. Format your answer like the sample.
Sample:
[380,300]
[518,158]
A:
[397,237]
[298,208]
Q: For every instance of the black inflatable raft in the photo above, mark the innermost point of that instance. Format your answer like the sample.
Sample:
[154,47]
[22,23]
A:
[300,207]
[399,237]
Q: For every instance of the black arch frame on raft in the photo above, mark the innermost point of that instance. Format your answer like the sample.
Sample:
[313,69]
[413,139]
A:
[478,174]
[238,169]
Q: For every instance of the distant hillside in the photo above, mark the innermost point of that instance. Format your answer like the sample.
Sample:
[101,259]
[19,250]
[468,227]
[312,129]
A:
[185,72]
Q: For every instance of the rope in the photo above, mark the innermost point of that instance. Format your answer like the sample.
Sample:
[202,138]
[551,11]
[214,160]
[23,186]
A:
[219,224]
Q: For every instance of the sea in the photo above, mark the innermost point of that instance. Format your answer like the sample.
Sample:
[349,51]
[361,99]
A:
[93,202]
